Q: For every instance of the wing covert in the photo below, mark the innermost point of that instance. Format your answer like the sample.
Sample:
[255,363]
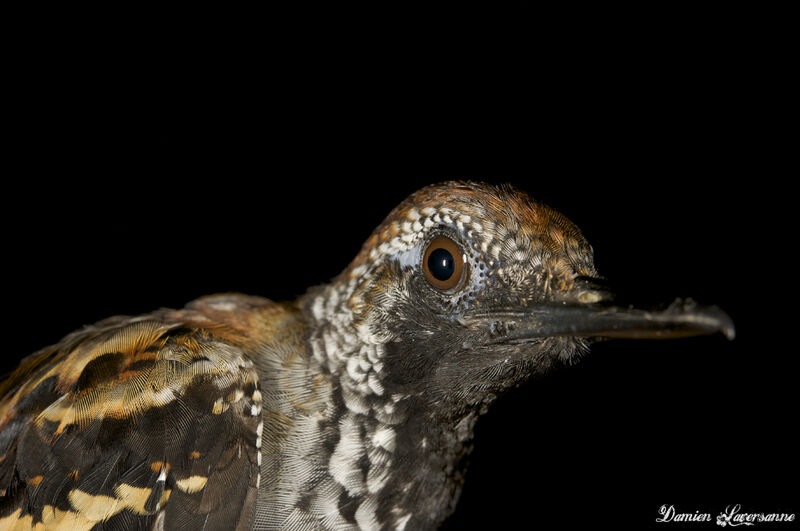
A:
[149,422]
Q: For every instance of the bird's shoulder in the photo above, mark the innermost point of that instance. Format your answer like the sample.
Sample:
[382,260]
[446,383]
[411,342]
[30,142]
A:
[136,419]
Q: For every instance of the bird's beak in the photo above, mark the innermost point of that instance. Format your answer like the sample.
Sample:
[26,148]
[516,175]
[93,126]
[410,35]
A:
[599,319]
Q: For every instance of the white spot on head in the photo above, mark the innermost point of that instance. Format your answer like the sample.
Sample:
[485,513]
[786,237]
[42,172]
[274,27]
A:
[409,257]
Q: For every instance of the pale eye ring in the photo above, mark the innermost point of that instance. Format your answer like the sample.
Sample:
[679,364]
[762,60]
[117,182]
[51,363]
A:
[443,263]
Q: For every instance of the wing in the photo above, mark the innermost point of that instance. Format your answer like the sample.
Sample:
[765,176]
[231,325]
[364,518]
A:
[134,423]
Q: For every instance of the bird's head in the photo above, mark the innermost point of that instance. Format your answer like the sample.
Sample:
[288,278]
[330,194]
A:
[468,289]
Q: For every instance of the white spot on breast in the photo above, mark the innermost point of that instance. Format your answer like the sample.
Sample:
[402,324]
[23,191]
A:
[344,463]
[354,402]
[331,347]
[384,437]
[354,369]
[375,384]
[401,522]
[374,352]
[365,514]
[377,476]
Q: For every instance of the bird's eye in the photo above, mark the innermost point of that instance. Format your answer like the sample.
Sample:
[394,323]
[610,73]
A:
[443,263]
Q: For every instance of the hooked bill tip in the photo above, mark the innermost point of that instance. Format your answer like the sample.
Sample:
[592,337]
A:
[711,318]
[729,330]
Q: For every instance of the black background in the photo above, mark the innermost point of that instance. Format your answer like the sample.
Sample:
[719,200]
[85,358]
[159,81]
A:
[156,161]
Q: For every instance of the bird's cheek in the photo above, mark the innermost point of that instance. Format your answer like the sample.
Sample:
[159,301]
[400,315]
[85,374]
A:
[405,367]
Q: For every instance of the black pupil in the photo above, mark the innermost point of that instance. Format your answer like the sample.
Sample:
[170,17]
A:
[441,264]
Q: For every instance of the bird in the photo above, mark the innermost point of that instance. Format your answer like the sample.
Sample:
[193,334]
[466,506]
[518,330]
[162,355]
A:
[350,407]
